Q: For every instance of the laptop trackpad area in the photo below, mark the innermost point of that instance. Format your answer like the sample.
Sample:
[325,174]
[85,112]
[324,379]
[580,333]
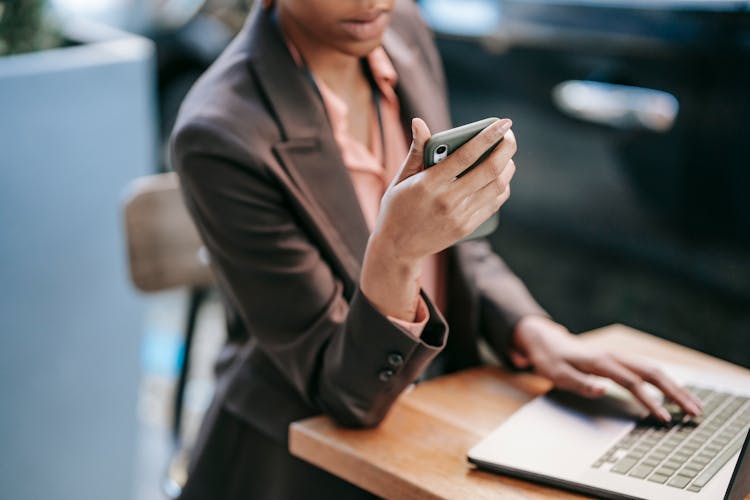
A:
[559,431]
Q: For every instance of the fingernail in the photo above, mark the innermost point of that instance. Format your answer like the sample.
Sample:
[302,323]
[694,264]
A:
[413,128]
[597,389]
[664,415]
[504,125]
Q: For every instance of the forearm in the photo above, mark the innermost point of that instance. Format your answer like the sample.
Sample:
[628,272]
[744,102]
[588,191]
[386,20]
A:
[389,281]
[504,300]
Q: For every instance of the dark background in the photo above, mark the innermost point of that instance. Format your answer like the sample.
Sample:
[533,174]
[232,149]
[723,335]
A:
[616,226]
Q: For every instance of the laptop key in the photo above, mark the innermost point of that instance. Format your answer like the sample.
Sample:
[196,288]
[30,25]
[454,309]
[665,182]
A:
[694,488]
[656,477]
[667,471]
[624,465]
[689,473]
[672,463]
[679,481]
[694,466]
[736,428]
[681,456]
[641,471]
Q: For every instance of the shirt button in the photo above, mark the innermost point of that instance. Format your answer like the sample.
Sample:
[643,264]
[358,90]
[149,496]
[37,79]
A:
[395,360]
[385,374]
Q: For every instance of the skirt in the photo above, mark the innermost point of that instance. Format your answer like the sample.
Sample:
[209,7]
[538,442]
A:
[234,461]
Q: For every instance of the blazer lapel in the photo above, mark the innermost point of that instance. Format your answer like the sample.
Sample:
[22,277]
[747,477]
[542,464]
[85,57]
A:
[308,151]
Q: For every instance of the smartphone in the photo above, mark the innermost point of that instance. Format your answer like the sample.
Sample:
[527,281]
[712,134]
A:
[442,144]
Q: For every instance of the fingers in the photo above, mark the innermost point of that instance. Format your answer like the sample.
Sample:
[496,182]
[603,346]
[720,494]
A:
[490,169]
[653,375]
[470,152]
[608,366]
[568,378]
[414,162]
[489,202]
[491,197]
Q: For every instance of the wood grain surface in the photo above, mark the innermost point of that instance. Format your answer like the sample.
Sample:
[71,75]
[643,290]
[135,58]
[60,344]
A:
[419,451]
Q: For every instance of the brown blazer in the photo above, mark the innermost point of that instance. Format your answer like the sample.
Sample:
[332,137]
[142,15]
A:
[264,180]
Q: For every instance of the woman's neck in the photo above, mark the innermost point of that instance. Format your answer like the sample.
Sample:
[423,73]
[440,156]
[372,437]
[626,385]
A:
[341,72]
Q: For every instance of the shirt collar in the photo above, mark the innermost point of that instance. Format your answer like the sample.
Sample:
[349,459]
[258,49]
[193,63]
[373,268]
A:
[382,69]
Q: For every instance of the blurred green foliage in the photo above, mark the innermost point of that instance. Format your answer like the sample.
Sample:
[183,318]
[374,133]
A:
[25,26]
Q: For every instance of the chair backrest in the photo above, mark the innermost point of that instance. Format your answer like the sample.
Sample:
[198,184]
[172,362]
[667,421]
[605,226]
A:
[164,248]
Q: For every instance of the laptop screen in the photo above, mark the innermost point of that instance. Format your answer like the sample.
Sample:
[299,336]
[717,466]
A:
[739,486]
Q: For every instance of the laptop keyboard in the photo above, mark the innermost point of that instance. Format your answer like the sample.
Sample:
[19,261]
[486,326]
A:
[688,452]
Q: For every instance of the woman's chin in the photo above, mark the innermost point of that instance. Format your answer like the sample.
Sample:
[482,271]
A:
[361,48]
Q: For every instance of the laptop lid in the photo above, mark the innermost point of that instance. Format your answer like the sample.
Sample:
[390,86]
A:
[739,486]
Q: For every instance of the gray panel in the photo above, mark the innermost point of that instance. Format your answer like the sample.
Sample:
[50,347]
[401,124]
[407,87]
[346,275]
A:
[75,126]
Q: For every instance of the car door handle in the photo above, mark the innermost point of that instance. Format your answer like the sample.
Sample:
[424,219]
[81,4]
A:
[619,106]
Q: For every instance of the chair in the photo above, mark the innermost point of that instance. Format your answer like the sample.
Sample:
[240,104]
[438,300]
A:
[165,251]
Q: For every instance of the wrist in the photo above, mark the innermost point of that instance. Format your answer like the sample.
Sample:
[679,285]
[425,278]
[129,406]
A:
[387,256]
[390,281]
[525,329]
[534,329]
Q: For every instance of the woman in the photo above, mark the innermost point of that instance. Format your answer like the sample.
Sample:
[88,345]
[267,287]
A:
[334,249]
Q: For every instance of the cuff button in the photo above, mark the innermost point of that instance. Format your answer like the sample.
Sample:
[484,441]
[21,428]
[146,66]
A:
[385,374]
[395,360]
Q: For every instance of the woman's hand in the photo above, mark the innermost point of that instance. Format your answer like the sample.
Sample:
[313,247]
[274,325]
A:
[565,359]
[426,211]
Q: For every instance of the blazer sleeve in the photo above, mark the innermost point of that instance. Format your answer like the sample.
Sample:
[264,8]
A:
[503,298]
[342,356]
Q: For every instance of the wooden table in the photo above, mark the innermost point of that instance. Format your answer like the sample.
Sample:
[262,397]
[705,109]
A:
[419,451]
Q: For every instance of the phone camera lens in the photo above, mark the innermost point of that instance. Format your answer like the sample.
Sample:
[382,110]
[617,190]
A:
[442,149]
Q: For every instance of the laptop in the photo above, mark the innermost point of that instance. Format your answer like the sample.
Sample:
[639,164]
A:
[606,448]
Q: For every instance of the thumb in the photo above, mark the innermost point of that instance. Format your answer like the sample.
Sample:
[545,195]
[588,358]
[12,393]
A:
[520,360]
[414,161]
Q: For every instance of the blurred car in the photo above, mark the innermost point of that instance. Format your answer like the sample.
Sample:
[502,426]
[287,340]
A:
[661,83]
